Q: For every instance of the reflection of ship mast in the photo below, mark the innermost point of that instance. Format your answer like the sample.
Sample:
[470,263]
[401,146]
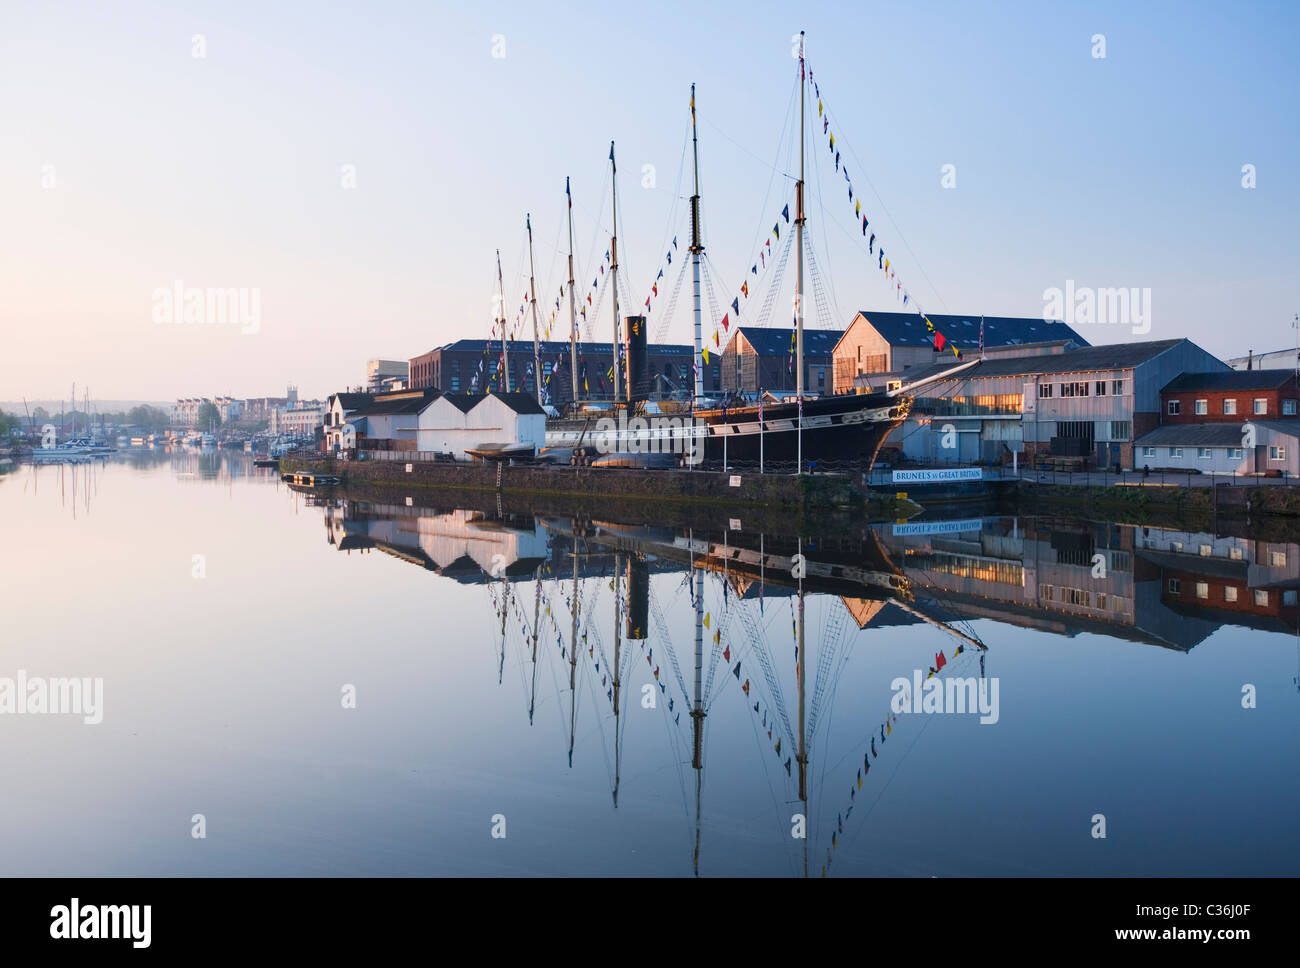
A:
[802,757]
[573,646]
[697,711]
[537,614]
[618,619]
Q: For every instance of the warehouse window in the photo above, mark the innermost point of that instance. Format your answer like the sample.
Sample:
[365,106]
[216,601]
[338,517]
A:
[1117,388]
[1100,389]
[1229,593]
[1175,407]
[1175,587]
[1148,452]
[1288,408]
[1204,453]
[1175,452]
[1230,406]
[1276,453]
[1234,453]
[1261,597]
[1202,407]
[1261,405]
[1044,390]
[1119,430]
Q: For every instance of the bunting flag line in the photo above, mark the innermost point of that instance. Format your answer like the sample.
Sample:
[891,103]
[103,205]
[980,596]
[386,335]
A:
[882,263]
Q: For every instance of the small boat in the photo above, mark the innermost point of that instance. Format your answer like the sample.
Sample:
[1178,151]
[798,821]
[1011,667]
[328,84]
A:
[266,462]
[503,451]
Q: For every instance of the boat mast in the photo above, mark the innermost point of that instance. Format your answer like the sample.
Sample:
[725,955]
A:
[798,242]
[573,318]
[613,268]
[696,250]
[501,293]
[532,291]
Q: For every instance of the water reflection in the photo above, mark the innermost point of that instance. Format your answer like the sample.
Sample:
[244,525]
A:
[580,602]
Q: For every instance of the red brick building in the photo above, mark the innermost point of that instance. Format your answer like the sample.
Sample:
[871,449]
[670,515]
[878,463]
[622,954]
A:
[1232,397]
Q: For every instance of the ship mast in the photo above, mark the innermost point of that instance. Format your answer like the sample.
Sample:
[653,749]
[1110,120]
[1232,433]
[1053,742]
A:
[573,319]
[501,292]
[798,242]
[532,292]
[696,250]
[613,267]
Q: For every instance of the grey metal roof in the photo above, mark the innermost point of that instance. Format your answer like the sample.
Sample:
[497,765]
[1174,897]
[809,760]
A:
[550,348]
[1114,356]
[1231,380]
[908,329]
[1211,434]
[775,341]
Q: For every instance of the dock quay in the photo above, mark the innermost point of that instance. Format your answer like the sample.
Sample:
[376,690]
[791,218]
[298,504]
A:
[668,486]
[311,479]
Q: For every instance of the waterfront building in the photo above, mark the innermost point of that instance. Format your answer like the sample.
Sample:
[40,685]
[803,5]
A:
[879,342]
[470,365]
[1089,403]
[453,423]
[1232,397]
[761,358]
[1267,447]
[339,407]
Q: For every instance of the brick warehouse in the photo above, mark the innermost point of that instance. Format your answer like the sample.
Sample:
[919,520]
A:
[451,368]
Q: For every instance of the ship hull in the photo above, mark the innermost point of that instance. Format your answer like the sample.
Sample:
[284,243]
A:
[841,429]
[847,429]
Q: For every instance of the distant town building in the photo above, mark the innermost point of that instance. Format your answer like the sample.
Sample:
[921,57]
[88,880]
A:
[382,374]
[878,342]
[1287,359]
[299,420]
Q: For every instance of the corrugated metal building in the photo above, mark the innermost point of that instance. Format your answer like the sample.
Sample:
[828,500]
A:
[1090,402]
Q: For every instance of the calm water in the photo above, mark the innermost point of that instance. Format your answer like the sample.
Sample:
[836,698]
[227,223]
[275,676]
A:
[1119,654]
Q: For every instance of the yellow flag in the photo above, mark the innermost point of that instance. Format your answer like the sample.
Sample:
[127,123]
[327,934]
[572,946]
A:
[819,107]
[706,356]
[707,615]
[857,207]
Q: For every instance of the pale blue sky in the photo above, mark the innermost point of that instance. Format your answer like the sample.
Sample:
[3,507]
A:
[225,171]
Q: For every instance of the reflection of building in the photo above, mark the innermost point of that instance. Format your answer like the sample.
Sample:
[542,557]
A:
[1236,580]
[1150,585]
[465,545]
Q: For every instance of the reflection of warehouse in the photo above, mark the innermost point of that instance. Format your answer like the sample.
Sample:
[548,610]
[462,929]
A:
[1240,581]
[465,545]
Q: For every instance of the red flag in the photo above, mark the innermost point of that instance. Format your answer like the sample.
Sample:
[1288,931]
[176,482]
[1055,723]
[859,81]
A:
[939,661]
[725,323]
[726,654]
[938,341]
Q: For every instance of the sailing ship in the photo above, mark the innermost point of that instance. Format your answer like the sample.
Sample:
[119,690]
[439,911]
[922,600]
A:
[803,428]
